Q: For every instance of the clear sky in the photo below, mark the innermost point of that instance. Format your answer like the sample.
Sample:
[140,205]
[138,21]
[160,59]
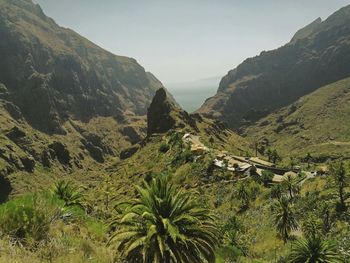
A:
[184,40]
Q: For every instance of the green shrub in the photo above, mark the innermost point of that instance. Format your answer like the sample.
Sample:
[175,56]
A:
[183,157]
[25,219]
[176,139]
[266,177]
[276,191]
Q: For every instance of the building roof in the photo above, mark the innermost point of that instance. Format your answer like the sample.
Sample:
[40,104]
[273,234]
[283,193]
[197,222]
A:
[262,162]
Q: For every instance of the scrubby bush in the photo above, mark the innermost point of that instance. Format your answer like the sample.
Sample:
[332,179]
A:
[266,177]
[27,219]
[234,243]
[175,139]
[183,157]
[163,148]
[276,191]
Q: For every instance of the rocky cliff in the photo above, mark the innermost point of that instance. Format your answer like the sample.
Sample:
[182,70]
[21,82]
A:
[53,74]
[318,55]
[164,115]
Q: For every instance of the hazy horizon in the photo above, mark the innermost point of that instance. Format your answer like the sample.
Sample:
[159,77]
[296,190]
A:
[184,41]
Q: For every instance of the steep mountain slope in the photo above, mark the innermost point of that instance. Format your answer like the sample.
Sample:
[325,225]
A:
[318,55]
[53,74]
[66,105]
[318,123]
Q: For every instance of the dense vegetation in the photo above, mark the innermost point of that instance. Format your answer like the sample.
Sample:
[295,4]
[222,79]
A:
[232,217]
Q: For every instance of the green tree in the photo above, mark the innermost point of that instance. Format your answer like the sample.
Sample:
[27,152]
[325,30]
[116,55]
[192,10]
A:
[255,145]
[211,141]
[234,236]
[284,218]
[325,214]
[269,154]
[312,226]
[266,177]
[165,224]
[314,250]
[276,191]
[243,194]
[292,162]
[290,183]
[308,159]
[341,180]
[275,157]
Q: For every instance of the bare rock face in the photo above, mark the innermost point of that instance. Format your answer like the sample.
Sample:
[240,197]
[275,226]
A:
[95,151]
[16,135]
[28,163]
[159,119]
[5,189]
[61,153]
[127,153]
[164,115]
[133,135]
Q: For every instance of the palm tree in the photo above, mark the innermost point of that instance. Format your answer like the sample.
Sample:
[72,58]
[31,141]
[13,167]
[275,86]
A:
[69,194]
[284,218]
[165,224]
[313,226]
[276,191]
[314,250]
[243,194]
[290,183]
[341,180]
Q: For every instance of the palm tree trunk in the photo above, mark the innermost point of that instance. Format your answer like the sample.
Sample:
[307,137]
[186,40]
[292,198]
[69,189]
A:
[167,257]
[341,197]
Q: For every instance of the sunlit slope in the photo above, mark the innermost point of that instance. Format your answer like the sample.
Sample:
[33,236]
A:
[318,123]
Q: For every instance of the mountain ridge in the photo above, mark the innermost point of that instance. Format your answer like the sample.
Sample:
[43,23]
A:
[279,77]
[67,106]
[78,78]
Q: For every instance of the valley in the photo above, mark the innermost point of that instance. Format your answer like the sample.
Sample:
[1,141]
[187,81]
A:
[99,162]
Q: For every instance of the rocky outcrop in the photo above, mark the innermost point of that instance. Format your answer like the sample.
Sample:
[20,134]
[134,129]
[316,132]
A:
[15,162]
[13,110]
[95,152]
[159,119]
[133,135]
[127,153]
[60,151]
[17,135]
[28,164]
[318,55]
[5,189]
[47,157]
[164,115]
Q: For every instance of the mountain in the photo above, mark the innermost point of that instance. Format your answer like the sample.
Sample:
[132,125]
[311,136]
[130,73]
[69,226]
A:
[191,95]
[317,55]
[66,105]
[318,123]
[52,74]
